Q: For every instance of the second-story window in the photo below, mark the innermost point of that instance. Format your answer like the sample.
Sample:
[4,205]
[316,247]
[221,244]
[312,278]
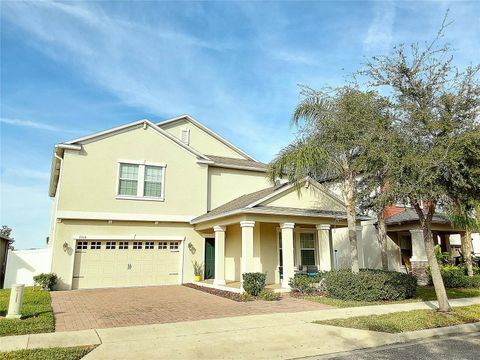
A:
[128,184]
[153,181]
[141,180]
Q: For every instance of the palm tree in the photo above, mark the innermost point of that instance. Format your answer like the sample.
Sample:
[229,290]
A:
[334,128]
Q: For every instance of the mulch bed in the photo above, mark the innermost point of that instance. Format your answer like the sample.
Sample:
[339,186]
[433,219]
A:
[222,293]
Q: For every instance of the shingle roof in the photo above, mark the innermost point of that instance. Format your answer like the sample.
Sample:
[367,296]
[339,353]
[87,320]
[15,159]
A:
[410,215]
[239,205]
[242,201]
[232,162]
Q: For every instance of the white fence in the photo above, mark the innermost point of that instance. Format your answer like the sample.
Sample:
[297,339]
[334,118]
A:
[23,265]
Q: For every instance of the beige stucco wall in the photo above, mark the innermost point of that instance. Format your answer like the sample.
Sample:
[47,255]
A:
[225,185]
[311,198]
[269,250]
[67,230]
[371,249]
[201,140]
[233,252]
[264,251]
[89,179]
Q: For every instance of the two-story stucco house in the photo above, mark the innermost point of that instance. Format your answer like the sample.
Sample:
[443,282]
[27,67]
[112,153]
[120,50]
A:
[138,204]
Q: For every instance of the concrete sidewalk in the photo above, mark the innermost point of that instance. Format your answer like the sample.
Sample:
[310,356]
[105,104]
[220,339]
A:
[286,335]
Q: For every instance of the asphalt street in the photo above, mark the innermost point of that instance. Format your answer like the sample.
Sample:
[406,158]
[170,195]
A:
[465,347]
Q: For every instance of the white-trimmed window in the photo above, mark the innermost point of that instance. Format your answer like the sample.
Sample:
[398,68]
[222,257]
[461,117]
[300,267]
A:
[174,245]
[163,245]
[137,245]
[82,245]
[123,245]
[149,245]
[95,245]
[307,249]
[111,245]
[141,180]
[153,181]
[128,180]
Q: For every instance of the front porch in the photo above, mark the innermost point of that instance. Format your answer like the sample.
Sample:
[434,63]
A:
[408,238]
[277,231]
[278,249]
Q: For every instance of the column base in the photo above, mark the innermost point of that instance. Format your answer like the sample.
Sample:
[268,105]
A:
[13,317]
[419,270]
[285,284]
[219,282]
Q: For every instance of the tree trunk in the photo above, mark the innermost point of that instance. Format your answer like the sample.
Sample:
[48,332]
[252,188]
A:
[426,223]
[382,238]
[467,251]
[349,196]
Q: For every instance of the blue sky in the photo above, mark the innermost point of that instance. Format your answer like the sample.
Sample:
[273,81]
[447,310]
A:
[71,68]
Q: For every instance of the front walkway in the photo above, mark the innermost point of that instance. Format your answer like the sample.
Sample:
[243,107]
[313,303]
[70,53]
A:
[106,308]
[281,335]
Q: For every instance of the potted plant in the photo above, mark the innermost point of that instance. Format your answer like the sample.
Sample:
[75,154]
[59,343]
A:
[197,270]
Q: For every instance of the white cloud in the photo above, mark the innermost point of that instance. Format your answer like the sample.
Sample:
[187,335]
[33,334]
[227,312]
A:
[380,32]
[24,173]
[151,66]
[35,125]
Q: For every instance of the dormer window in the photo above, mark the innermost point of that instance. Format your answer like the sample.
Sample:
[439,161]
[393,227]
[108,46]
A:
[185,136]
[141,181]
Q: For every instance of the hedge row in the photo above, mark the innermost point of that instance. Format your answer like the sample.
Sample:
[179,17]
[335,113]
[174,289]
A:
[367,285]
[455,277]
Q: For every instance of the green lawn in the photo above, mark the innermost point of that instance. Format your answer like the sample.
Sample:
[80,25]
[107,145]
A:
[72,353]
[409,320]
[37,313]
[424,293]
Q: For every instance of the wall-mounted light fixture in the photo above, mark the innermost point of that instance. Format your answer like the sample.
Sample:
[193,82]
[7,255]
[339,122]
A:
[65,246]
[191,248]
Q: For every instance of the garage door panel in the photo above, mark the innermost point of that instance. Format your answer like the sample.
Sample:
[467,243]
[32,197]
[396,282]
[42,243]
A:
[108,265]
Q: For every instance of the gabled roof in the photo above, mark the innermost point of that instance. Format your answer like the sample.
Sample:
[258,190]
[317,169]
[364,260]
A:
[233,163]
[144,122]
[208,131]
[75,144]
[252,203]
[410,215]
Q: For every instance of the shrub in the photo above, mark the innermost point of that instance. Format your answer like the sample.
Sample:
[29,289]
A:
[254,282]
[370,285]
[246,297]
[269,295]
[46,281]
[455,277]
[304,284]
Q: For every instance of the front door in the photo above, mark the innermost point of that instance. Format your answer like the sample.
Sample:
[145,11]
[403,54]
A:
[209,258]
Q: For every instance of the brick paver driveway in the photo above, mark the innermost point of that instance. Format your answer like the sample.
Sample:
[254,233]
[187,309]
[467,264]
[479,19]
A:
[103,308]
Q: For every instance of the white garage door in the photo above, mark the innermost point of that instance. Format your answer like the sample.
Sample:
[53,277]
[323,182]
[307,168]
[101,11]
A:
[126,263]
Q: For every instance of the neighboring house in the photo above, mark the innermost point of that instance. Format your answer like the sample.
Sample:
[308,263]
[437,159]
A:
[137,204]
[23,265]
[4,244]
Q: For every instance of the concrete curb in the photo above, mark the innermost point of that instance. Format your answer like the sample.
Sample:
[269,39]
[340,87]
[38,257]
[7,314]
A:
[428,333]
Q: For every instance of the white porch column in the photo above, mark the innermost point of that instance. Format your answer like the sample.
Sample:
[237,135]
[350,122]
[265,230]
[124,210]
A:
[287,253]
[219,255]
[418,246]
[360,248]
[247,248]
[325,253]
[419,260]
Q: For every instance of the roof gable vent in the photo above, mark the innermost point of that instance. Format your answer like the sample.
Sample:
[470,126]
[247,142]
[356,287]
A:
[185,136]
